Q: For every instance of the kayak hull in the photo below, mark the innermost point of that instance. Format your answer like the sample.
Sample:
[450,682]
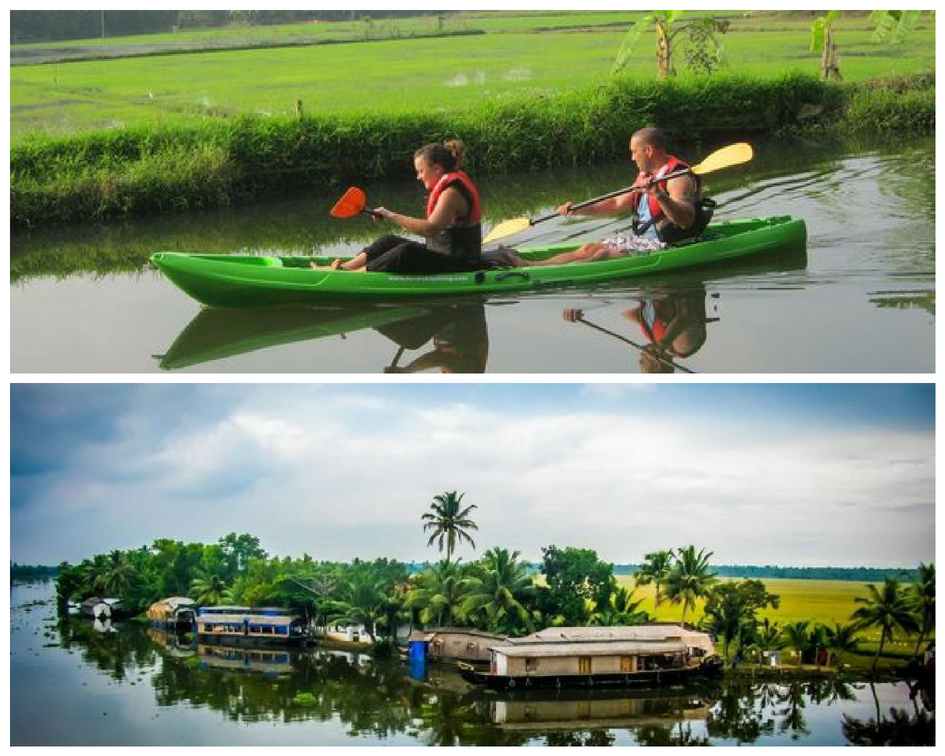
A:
[254,280]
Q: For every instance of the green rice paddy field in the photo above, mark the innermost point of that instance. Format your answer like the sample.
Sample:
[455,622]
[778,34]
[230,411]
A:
[822,602]
[518,54]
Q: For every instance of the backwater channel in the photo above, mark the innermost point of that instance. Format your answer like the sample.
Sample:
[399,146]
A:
[73,683]
[860,300]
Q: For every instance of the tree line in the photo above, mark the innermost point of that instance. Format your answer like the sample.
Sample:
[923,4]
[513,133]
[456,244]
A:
[497,593]
[43,25]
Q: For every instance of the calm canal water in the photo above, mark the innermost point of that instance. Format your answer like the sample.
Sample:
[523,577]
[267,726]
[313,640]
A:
[73,684]
[861,300]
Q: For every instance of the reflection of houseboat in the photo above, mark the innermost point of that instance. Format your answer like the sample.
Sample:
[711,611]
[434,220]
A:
[588,656]
[589,708]
[247,626]
[174,613]
[171,642]
[264,661]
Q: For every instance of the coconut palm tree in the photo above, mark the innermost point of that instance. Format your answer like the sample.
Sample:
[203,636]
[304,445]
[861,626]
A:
[622,609]
[118,576]
[495,591]
[655,570]
[689,579]
[890,609]
[797,636]
[767,637]
[923,599]
[841,639]
[208,588]
[439,593]
[361,601]
[449,521]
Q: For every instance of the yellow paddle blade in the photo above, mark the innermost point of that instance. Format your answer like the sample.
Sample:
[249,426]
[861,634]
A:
[350,204]
[507,228]
[734,154]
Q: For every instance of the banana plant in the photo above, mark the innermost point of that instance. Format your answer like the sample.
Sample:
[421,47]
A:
[892,26]
[821,38]
[667,27]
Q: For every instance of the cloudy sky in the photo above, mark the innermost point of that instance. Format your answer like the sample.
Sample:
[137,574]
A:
[796,474]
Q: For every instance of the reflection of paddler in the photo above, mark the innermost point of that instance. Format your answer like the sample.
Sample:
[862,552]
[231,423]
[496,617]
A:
[674,325]
[459,335]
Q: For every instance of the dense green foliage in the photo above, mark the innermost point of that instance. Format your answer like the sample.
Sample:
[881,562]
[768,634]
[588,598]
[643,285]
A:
[177,168]
[498,593]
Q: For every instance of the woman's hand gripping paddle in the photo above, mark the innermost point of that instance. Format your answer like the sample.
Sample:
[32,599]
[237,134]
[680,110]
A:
[734,154]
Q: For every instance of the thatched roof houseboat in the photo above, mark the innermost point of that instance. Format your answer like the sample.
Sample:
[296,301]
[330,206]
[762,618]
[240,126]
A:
[174,612]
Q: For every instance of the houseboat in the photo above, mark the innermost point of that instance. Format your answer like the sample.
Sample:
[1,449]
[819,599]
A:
[453,644]
[101,608]
[248,626]
[176,613]
[642,655]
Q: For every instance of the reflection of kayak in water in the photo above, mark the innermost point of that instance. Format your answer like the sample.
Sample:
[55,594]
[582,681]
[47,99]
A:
[217,334]
[458,334]
[248,280]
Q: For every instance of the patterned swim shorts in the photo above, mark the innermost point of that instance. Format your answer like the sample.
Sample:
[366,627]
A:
[632,244]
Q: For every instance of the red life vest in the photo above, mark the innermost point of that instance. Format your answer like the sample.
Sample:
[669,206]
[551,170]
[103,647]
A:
[672,165]
[471,194]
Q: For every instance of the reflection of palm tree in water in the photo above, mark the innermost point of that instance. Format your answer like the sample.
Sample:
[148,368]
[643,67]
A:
[459,337]
[674,325]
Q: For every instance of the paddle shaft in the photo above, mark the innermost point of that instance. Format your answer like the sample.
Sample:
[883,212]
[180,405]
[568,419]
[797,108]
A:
[661,358]
[611,195]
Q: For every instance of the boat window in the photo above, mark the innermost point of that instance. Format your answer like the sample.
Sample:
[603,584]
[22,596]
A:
[531,664]
[584,665]
[626,664]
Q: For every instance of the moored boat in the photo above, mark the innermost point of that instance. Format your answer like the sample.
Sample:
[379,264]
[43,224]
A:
[246,626]
[173,613]
[255,280]
[643,655]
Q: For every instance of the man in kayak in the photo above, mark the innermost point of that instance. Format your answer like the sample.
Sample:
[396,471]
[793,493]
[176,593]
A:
[452,230]
[663,211]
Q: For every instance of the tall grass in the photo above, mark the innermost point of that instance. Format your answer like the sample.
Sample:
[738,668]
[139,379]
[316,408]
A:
[180,167]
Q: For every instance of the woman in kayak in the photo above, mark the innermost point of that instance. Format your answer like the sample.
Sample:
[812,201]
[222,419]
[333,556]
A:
[452,231]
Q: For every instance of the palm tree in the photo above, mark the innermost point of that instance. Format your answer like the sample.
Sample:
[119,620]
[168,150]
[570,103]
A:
[818,639]
[797,637]
[118,576]
[439,594]
[689,579]
[889,609]
[655,570]
[767,637]
[208,588]
[362,601]
[923,599]
[495,592]
[841,639]
[622,609]
[449,522]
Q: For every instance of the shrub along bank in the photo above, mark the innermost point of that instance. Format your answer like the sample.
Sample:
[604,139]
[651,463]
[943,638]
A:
[168,169]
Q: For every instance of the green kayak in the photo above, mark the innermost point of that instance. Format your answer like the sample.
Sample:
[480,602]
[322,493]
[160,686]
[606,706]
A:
[251,280]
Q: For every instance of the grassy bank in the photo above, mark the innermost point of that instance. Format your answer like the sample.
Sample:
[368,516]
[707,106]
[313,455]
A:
[213,163]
